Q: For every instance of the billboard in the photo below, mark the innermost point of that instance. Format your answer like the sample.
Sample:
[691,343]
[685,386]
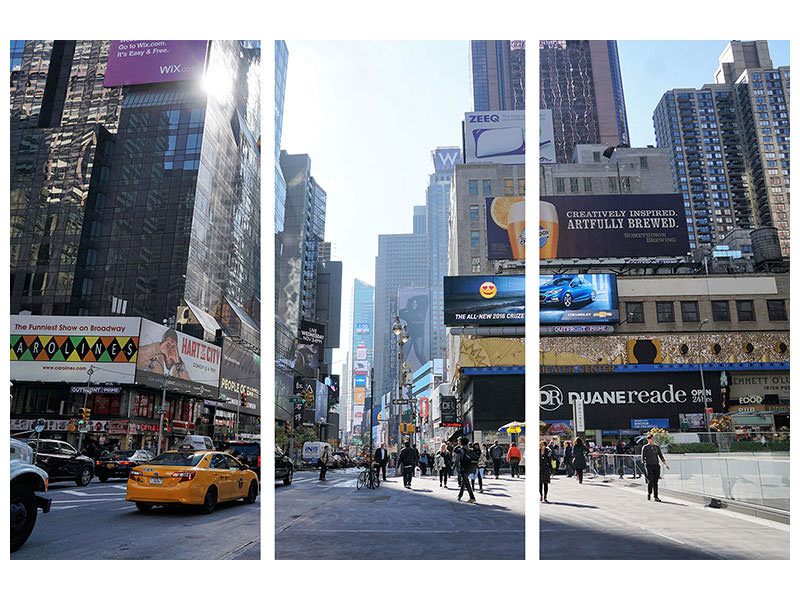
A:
[573,298]
[505,227]
[448,409]
[495,137]
[240,372]
[311,333]
[415,311]
[308,350]
[445,159]
[361,367]
[133,62]
[171,358]
[56,348]
[612,225]
[484,300]
[547,144]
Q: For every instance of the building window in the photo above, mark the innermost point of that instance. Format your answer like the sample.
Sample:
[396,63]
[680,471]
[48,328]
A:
[476,264]
[626,184]
[473,212]
[643,162]
[634,312]
[587,185]
[689,312]
[521,184]
[612,184]
[596,156]
[476,238]
[473,187]
[508,187]
[487,187]
[665,312]
[720,311]
[573,185]
[776,310]
[745,310]
[560,184]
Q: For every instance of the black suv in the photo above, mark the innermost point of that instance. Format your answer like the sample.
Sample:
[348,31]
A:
[284,469]
[62,462]
[247,452]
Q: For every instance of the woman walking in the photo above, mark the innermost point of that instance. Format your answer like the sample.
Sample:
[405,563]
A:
[544,470]
[579,458]
[568,458]
[513,459]
[478,474]
[444,462]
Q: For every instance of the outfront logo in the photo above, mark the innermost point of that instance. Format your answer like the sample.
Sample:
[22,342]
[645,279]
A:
[550,397]
[488,289]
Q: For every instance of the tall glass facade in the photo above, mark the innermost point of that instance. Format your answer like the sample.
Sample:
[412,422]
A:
[498,74]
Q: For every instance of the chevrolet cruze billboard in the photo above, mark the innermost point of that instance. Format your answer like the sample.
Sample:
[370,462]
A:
[484,300]
[574,298]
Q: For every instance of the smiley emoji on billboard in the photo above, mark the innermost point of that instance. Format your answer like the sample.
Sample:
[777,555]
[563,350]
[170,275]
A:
[488,289]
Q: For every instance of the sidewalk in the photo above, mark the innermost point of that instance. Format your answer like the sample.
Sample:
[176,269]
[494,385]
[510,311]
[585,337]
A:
[610,518]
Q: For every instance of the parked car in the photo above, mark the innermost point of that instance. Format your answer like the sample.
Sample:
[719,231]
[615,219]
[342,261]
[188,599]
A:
[196,442]
[198,477]
[248,452]
[119,463]
[284,469]
[62,462]
[566,290]
[26,480]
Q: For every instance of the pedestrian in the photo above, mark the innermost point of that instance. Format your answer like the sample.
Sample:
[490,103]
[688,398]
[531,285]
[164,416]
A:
[568,458]
[407,462]
[381,458]
[545,464]
[513,459]
[579,458]
[479,467]
[444,463]
[620,458]
[423,463]
[555,452]
[496,454]
[324,459]
[651,452]
[465,463]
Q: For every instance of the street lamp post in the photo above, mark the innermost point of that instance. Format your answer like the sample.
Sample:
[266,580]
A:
[402,337]
[89,372]
[703,383]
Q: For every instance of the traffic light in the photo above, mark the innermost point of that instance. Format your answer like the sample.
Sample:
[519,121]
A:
[308,396]
[244,398]
[287,426]
[83,416]
[165,425]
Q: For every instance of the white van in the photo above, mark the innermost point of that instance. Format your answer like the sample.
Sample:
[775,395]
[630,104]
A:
[312,450]
[196,442]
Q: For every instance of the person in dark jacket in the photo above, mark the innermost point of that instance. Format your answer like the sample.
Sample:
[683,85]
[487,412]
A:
[444,464]
[496,454]
[465,467]
[568,458]
[619,458]
[650,455]
[381,458]
[408,460]
[579,452]
[545,464]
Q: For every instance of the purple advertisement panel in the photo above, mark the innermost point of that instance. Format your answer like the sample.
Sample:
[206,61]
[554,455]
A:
[133,62]
[630,225]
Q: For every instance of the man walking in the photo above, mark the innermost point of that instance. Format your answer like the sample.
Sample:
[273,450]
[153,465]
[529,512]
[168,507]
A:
[407,462]
[382,457]
[324,458]
[650,455]
[466,461]
[496,454]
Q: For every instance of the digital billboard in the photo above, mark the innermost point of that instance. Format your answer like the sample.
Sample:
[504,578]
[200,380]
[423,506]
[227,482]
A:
[495,137]
[573,298]
[134,62]
[547,144]
[240,373]
[414,310]
[505,227]
[171,358]
[308,350]
[56,348]
[612,225]
[484,300]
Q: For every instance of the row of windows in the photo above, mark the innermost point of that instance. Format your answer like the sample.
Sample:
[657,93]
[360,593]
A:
[720,311]
[486,187]
[613,183]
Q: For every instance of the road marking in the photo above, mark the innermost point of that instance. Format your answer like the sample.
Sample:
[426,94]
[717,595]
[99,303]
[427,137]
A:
[102,494]
[445,531]
[63,507]
[121,487]
[87,500]
[74,493]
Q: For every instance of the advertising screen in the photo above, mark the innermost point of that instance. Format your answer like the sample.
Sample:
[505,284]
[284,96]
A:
[133,62]
[240,372]
[180,361]
[573,298]
[484,300]
[308,350]
[505,227]
[630,225]
[55,348]
[495,137]
[547,145]
[415,312]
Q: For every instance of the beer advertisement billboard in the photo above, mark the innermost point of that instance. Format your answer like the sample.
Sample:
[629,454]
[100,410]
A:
[612,225]
[505,227]
[574,298]
[484,300]
[134,62]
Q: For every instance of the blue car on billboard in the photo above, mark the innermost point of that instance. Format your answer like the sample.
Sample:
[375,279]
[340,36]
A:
[566,290]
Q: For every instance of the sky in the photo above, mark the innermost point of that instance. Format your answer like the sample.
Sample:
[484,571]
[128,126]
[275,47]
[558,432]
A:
[650,68]
[369,114]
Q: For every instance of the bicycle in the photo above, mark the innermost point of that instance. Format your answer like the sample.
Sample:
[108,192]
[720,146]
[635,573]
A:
[369,477]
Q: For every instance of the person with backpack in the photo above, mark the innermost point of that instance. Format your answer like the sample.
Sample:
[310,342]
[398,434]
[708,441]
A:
[479,466]
[408,460]
[496,454]
[466,462]
[513,458]
[444,463]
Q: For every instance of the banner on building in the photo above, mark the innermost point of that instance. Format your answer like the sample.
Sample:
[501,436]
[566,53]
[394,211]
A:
[308,351]
[134,62]
[415,311]
[495,137]
[484,300]
[448,409]
[240,373]
[60,348]
[505,227]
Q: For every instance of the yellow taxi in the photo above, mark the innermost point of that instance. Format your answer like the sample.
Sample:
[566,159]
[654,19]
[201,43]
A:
[199,477]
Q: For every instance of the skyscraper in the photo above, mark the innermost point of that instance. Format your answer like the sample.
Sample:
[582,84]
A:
[362,312]
[498,74]
[581,82]
[141,194]
[281,66]
[729,146]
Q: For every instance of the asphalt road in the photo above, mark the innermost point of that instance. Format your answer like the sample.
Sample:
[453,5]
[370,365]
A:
[333,520]
[609,518]
[96,522]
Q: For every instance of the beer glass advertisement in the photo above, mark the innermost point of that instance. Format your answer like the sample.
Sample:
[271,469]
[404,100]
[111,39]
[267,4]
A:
[484,300]
[133,62]
[635,225]
[415,312]
[171,358]
[505,227]
[572,298]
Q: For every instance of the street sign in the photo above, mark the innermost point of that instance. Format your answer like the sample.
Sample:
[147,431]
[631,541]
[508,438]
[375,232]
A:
[402,401]
[296,399]
[161,411]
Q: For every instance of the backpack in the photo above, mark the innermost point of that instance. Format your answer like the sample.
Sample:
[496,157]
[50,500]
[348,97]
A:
[468,461]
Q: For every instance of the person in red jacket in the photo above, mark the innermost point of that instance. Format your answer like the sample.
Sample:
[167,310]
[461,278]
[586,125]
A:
[513,458]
